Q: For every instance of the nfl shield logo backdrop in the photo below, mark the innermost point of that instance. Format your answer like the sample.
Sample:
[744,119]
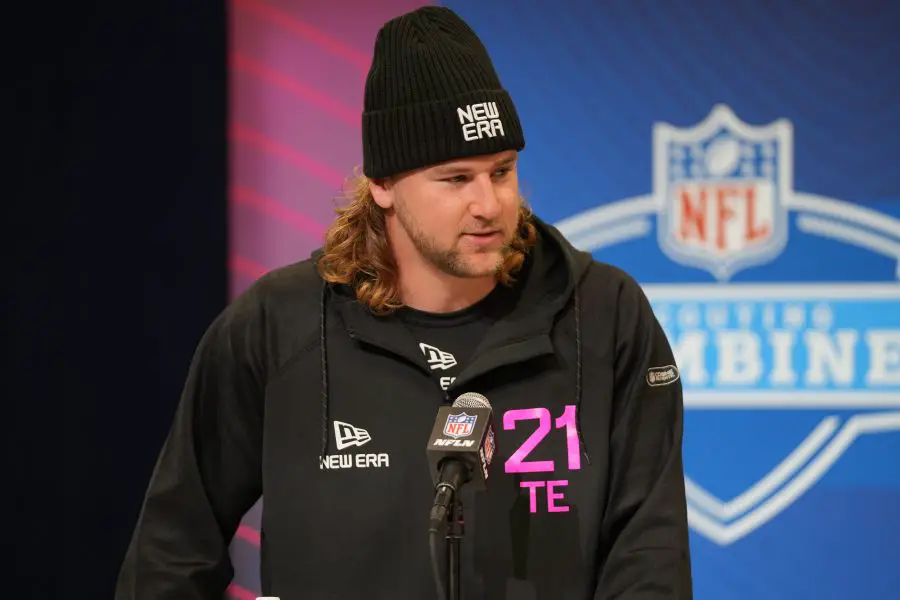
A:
[722,187]
[781,377]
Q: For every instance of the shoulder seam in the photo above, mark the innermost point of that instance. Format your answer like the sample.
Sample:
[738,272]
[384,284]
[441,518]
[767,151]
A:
[293,358]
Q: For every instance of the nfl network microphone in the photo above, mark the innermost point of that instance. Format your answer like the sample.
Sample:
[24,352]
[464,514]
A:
[460,450]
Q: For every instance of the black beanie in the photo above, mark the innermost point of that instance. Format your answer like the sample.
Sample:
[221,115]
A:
[432,95]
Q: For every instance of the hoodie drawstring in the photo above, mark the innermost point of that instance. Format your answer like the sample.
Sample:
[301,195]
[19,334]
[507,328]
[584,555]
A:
[584,450]
[324,360]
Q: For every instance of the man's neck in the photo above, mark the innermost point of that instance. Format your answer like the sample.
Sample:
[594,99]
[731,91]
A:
[442,293]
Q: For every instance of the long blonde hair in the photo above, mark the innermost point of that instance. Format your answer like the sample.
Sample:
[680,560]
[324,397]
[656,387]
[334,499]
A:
[357,252]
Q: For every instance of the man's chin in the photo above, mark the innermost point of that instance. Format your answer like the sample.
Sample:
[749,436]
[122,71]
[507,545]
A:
[484,264]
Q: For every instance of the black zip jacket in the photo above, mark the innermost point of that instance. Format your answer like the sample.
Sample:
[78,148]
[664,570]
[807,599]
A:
[290,356]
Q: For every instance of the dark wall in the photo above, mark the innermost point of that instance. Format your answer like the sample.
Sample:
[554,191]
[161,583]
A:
[116,263]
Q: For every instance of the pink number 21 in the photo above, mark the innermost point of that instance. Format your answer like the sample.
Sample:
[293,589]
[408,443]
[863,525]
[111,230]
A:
[517,463]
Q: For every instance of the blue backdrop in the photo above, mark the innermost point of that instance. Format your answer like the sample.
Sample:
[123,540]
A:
[740,160]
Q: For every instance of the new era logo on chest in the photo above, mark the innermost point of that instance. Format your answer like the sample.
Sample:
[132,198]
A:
[480,120]
[346,436]
[439,360]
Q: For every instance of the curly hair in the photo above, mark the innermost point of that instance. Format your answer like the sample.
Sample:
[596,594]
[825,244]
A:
[357,252]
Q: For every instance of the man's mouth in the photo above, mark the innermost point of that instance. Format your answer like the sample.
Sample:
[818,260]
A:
[483,239]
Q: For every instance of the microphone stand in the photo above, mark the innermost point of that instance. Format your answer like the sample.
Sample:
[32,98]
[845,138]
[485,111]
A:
[455,534]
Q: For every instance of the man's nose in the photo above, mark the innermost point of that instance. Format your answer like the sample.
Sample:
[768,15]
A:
[485,203]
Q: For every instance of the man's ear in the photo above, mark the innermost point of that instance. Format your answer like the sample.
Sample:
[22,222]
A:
[382,192]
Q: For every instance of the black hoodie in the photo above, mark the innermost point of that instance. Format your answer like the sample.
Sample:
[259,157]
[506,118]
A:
[291,356]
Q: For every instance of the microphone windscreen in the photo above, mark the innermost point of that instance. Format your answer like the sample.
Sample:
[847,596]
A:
[471,400]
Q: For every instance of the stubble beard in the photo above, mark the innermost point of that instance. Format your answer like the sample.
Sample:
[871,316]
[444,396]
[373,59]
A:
[450,261]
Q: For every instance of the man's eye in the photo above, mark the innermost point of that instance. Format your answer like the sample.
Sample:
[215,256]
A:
[456,179]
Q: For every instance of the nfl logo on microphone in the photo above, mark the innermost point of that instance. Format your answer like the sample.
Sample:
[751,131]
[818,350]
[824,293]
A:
[460,426]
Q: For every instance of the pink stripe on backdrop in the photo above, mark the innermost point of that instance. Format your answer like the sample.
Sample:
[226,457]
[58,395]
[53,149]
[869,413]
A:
[293,187]
[240,593]
[247,267]
[253,231]
[359,18]
[246,135]
[276,209]
[277,114]
[286,20]
[307,93]
[296,57]
[246,532]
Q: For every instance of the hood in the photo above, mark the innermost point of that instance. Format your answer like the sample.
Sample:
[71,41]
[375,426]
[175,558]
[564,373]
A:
[550,275]
[547,282]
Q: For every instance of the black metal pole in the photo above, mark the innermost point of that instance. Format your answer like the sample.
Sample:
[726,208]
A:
[455,535]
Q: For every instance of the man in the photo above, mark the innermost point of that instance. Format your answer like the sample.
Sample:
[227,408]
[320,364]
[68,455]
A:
[318,387]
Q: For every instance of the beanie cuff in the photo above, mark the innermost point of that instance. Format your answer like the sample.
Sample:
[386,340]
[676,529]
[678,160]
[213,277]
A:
[414,136]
